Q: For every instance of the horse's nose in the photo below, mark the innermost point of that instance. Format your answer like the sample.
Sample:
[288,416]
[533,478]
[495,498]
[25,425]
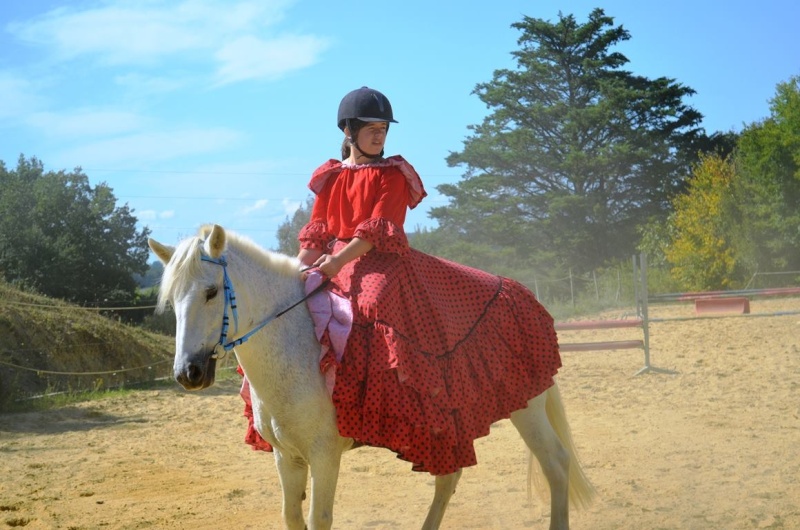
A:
[191,377]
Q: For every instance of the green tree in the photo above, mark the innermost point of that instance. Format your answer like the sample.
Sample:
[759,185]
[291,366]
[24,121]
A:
[768,163]
[738,214]
[702,252]
[67,239]
[152,275]
[576,151]
[287,231]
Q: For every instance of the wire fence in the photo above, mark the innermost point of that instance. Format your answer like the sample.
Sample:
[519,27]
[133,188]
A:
[763,280]
[30,373]
[605,286]
[52,349]
[122,370]
[33,368]
[573,294]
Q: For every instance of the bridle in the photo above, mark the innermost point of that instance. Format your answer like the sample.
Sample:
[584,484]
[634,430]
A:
[230,302]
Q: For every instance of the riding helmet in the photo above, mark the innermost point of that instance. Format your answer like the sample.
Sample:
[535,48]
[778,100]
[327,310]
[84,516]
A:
[365,104]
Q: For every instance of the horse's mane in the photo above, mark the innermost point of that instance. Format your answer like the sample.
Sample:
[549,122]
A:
[184,266]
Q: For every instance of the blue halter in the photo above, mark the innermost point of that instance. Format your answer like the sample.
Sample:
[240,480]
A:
[230,301]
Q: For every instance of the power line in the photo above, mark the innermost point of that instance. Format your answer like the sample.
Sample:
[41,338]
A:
[242,173]
[199,172]
[241,199]
[170,197]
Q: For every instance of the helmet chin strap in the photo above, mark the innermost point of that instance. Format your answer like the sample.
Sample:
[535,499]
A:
[365,154]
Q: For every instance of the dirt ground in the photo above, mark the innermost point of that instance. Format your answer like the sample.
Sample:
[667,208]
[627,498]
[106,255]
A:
[712,446]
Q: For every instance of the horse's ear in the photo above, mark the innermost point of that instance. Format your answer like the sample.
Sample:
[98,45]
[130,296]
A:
[215,242]
[163,252]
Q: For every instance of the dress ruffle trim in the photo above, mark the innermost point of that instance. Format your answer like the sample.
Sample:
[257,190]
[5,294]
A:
[451,399]
[416,191]
[252,437]
[315,235]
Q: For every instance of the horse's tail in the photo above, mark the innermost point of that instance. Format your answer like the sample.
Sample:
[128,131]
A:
[581,491]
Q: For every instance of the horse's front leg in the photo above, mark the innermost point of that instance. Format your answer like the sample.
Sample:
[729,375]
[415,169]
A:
[324,476]
[293,473]
[445,488]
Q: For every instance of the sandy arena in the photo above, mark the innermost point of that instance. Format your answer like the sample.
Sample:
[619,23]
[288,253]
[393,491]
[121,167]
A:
[714,446]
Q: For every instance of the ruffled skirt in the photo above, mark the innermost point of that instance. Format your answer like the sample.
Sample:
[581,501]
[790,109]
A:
[437,353]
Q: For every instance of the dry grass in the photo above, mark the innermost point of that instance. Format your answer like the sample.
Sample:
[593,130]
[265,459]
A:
[48,346]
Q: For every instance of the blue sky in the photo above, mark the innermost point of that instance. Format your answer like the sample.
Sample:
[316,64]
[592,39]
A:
[219,110]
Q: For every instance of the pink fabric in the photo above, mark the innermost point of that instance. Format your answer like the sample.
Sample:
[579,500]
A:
[333,318]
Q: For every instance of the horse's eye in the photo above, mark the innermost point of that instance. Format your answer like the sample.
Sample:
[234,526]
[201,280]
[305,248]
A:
[211,292]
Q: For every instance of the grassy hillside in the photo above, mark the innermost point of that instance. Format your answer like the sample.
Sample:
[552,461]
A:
[49,346]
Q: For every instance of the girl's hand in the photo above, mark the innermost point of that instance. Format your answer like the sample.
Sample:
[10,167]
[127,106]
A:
[329,265]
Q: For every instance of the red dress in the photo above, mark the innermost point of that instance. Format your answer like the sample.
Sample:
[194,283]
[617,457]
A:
[438,351]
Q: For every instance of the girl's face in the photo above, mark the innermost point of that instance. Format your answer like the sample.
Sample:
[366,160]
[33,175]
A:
[372,136]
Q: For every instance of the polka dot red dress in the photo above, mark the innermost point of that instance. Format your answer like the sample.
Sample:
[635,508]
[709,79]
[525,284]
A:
[438,351]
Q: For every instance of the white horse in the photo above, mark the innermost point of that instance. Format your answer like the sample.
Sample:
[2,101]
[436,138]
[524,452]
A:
[291,404]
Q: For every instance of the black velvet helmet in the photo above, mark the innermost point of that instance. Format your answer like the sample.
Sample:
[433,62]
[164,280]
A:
[365,104]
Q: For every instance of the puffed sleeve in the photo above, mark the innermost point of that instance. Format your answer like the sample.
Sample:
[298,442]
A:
[416,191]
[384,235]
[391,199]
[316,235]
[384,227]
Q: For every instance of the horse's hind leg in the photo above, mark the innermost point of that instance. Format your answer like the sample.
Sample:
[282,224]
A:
[543,442]
[445,487]
[293,474]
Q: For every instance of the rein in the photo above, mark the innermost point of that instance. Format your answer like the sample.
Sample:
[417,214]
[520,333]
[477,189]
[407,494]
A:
[230,301]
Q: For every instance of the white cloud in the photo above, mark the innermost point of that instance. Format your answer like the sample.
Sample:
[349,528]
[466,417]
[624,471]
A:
[238,36]
[258,205]
[290,206]
[152,215]
[146,215]
[114,34]
[154,48]
[86,122]
[250,57]
[151,146]
[144,85]
[16,96]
